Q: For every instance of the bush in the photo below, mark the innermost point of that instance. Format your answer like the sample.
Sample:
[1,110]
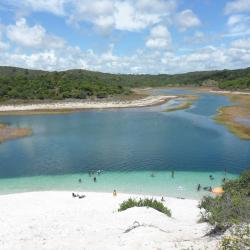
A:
[239,239]
[157,205]
[232,208]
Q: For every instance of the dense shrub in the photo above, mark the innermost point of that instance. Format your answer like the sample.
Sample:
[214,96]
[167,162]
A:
[232,208]
[157,205]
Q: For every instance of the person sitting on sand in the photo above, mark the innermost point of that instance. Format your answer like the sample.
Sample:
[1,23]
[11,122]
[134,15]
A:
[114,193]
[162,198]
[81,196]
[74,195]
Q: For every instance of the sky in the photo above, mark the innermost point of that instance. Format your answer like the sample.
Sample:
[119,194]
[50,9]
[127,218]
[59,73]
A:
[125,36]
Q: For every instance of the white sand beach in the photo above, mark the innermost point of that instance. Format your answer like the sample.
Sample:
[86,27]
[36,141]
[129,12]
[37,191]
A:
[56,220]
[225,92]
[73,105]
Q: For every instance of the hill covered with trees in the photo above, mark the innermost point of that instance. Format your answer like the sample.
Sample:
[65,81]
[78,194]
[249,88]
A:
[18,83]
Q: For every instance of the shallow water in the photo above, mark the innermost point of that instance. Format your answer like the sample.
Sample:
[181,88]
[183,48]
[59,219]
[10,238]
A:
[128,144]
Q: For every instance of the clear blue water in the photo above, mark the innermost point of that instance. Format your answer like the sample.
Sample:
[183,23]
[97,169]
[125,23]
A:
[127,144]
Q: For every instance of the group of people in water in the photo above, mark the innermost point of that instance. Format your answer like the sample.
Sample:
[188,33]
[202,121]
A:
[92,173]
[208,188]
[98,172]
[172,174]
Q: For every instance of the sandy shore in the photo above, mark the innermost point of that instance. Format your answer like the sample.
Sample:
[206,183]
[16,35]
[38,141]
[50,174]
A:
[78,105]
[56,220]
[229,92]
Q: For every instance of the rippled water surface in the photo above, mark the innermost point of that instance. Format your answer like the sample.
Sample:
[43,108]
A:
[124,143]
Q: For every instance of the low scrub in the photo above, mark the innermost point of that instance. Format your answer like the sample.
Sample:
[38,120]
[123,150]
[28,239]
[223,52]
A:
[157,205]
[232,208]
[238,239]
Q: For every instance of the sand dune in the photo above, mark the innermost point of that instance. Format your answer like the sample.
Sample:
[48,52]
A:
[56,220]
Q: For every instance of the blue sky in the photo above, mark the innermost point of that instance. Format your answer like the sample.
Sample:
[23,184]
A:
[125,36]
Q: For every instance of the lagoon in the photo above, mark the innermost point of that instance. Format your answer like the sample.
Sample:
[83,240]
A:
[127,145]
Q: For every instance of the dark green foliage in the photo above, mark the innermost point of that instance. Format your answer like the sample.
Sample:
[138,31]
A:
[145,203]
[18,83]
[233,207]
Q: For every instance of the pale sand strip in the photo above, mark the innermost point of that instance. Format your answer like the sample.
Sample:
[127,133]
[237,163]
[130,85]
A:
[229,92]
[56,220]
[148,101]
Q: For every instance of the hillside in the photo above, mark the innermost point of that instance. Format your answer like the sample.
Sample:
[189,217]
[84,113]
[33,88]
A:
[18,83]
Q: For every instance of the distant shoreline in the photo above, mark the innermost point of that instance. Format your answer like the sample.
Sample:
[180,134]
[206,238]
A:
[69,106]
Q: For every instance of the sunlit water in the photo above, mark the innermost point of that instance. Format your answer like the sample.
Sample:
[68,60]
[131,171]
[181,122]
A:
[128,145]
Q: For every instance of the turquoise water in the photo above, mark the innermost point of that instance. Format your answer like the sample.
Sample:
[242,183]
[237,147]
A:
[127,144]
[184,184]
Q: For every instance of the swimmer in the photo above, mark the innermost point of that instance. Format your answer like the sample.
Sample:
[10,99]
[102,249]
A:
[211,177]
[172,173]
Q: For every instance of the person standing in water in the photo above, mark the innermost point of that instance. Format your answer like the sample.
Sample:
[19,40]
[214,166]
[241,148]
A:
[94,179]
[172,173]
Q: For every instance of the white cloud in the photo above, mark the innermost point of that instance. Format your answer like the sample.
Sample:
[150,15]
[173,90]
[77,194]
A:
[238,25]
[105,15]
[3,45]
[237,6]
[187,19]
[122,15]
[52,6]
[141,61]
[159,38]
[32,37]
[198,38]
[137,15]
[241,43]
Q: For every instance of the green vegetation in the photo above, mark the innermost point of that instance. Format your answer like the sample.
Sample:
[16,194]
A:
[18,83]
[230,115]
[232,208]
[29,84]
[239,239]
[145,203]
